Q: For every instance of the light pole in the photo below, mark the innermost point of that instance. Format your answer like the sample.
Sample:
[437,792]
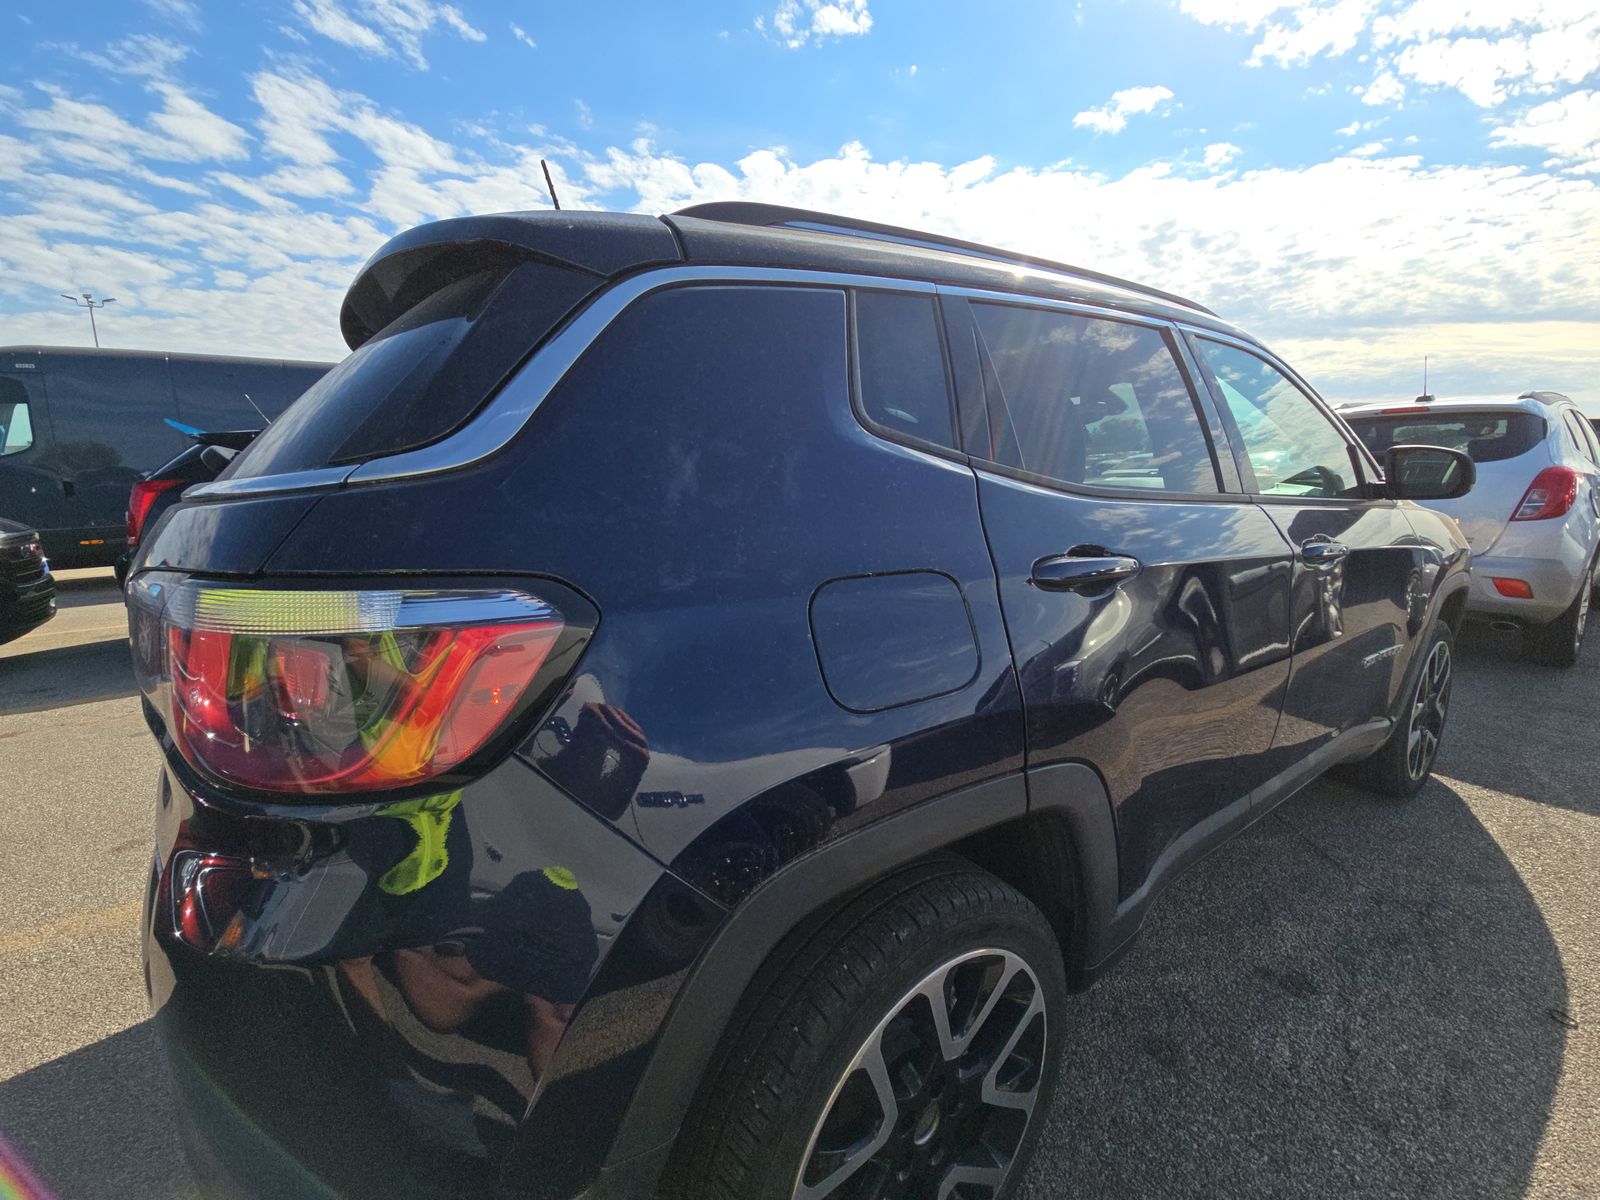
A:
[88,301]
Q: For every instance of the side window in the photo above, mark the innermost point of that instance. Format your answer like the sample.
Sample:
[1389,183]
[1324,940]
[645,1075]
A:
[1580,436]
[1293,448]
[1093,401]
[16,418]
[900,366]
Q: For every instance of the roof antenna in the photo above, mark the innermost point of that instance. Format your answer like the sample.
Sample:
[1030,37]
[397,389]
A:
[266,420]
[550,183]
[1425,398]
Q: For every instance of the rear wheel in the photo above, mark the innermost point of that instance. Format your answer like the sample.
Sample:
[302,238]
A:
[1405,761]
[1559,643]
[905,1050]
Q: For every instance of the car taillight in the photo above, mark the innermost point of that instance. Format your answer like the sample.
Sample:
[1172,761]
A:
[143,496]
[1552,493]
[332,691]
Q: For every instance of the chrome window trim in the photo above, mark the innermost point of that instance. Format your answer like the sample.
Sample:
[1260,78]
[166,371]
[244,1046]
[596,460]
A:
[504,417]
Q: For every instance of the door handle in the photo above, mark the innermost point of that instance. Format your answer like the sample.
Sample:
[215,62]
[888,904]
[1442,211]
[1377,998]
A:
[1323,552]
[1082,572]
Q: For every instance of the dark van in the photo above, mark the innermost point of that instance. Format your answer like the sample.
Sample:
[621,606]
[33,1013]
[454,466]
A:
[78,427]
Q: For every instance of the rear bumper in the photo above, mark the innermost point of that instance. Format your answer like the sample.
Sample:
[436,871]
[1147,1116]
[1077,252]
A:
[1553,580]
[480,1035]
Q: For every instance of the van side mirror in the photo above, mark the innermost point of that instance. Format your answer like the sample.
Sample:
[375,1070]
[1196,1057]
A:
[1427,473]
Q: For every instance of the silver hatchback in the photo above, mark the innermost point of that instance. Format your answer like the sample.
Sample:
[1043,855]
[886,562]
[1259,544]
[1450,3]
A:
[1533,519]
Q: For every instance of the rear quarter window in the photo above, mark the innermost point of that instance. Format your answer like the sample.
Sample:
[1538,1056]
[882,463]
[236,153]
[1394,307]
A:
[422,376]
[900,373]
[1483,437]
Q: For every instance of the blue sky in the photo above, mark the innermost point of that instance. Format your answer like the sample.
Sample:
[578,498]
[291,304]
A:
[1358,181]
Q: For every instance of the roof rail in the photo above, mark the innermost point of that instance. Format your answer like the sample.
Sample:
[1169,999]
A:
[743,212]
[1544,397]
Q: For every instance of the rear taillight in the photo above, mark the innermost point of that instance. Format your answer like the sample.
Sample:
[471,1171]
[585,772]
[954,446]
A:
[143,496]
[335,691]
[1552,493]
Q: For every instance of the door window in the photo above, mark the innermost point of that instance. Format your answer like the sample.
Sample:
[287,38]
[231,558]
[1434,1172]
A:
[1294,449]
[1579,435]
[1086,400]
[16,418]
[900,366]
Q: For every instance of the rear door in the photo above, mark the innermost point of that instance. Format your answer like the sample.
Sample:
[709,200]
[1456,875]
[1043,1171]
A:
[1147,606]
[1584,457]
[1360,573]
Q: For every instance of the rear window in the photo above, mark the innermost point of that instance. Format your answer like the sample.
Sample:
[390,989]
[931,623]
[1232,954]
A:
[416,380]
[1484,437]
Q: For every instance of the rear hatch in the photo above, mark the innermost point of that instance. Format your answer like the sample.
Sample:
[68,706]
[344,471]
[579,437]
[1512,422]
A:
[1503,442]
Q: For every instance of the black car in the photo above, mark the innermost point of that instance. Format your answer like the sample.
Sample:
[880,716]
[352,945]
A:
[158,491]
[78,427]
[677,709]
[27,590]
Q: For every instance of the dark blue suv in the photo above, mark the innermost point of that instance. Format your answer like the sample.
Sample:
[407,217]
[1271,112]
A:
[676,710]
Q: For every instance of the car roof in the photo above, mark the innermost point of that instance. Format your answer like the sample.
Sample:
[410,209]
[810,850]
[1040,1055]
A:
[1538,403]
[610,245]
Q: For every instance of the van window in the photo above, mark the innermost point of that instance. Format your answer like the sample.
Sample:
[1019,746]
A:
[419,378]
[1087,400]
[1484,437]
[900,366]
[16,418]
[1294,449]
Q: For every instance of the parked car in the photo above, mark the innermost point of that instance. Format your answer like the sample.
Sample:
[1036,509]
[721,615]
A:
[1534,517]
[79,427]
[676,709]
[27,589]
[158,491]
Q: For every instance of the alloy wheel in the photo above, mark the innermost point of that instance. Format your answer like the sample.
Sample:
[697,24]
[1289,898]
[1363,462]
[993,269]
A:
[1428,711]
[936,1102]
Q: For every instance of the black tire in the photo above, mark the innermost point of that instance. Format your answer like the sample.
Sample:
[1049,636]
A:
[1559,643]
[801,1049]
[1403,764]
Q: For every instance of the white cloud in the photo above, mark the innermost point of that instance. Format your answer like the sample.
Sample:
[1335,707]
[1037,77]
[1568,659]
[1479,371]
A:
[186,120]
[1488,50]
[798,22]
[1112,117]
[385,28]
[1384,91]
[585,115]
[1356,127]
[1568,129]
[179,12]
[521,34]
[1219,154]
[1368,150]
[141,55]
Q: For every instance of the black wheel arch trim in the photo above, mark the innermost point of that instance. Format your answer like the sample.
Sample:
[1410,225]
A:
[721,975]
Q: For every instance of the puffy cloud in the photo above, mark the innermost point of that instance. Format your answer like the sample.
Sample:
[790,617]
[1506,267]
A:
[1568,128]
[1333,29]
[385,28]
[798,22]
[1112,117]
[1219,154]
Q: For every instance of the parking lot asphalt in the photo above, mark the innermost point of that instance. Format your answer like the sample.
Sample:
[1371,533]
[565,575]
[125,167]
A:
[1354,998]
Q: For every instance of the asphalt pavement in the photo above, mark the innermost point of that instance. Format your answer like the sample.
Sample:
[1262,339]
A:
[1355,998]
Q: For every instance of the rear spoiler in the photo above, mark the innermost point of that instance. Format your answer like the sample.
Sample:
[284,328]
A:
[228,439]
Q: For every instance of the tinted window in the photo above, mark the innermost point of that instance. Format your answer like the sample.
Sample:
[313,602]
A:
[1483,437]
[1294,449]
[110,412]
[413,382]
[1090,401]
[1580,435]
[16,418]
[900,362]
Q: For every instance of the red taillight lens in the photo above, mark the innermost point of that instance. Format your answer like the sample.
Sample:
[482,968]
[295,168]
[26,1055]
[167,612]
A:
[1516,589]
[143,496]
[336,691]
[1552,493]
